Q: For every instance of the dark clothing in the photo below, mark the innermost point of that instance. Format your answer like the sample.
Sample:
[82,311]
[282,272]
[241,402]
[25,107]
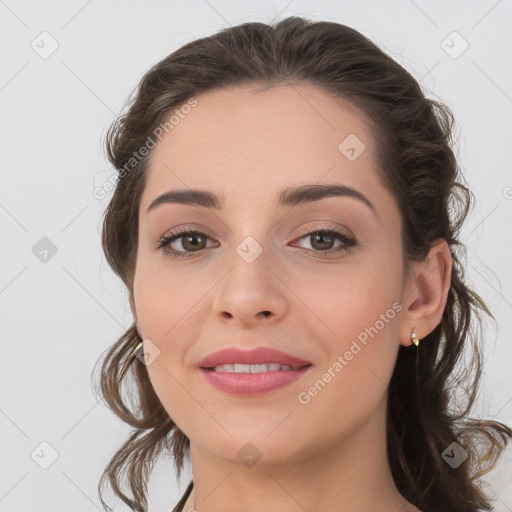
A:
[181,503]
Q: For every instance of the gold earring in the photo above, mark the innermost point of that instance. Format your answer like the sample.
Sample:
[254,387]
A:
[133,354]
[415,338]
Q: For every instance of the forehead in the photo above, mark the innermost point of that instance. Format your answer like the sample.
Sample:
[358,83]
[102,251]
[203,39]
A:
[243,144]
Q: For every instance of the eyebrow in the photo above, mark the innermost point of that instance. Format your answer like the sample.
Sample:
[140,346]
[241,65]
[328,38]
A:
[286,197]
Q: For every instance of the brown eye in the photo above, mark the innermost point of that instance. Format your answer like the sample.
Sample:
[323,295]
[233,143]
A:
[191,241]
[323,240]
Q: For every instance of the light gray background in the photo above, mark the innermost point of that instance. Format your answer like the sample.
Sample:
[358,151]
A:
[58,316]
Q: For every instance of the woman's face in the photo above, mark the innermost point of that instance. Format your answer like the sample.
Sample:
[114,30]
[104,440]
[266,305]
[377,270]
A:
[334,302]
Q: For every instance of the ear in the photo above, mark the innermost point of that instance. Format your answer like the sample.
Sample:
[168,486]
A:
[134,313]
[426,293]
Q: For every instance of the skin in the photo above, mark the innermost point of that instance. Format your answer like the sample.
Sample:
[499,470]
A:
[328,454]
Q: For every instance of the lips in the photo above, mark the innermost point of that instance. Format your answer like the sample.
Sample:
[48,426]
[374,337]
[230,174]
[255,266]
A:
[259,355]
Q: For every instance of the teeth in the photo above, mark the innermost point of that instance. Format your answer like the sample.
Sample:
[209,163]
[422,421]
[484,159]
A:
[252,368]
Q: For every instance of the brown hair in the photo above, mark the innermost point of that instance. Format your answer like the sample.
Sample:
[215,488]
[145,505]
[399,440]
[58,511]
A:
[415,161]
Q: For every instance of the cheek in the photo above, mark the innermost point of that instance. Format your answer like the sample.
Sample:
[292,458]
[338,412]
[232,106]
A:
[353,314]
[168,307]
[164,301]
[341,302]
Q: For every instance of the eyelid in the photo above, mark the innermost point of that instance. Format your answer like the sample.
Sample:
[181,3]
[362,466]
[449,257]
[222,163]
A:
[348,241]
[324,226]
[184,229]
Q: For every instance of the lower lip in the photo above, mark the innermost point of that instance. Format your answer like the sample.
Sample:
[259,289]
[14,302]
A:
[252,384]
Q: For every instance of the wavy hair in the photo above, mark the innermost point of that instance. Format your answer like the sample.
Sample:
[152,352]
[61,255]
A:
[415,160]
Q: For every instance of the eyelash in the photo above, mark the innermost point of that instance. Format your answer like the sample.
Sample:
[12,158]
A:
[348,242]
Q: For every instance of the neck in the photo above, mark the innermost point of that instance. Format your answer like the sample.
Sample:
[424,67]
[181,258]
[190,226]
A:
[350,474]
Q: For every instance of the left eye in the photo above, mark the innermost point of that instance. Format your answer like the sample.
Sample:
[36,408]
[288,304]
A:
[192,241]
[323,239]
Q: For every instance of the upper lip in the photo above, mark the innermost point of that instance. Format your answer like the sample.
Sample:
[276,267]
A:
[259,355]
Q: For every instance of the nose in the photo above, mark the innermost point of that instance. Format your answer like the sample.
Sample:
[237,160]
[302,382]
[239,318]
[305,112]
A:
[250,294]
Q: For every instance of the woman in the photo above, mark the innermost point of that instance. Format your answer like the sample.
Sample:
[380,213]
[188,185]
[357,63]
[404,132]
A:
[286,221]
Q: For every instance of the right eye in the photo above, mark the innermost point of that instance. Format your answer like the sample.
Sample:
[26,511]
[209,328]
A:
[193,239]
